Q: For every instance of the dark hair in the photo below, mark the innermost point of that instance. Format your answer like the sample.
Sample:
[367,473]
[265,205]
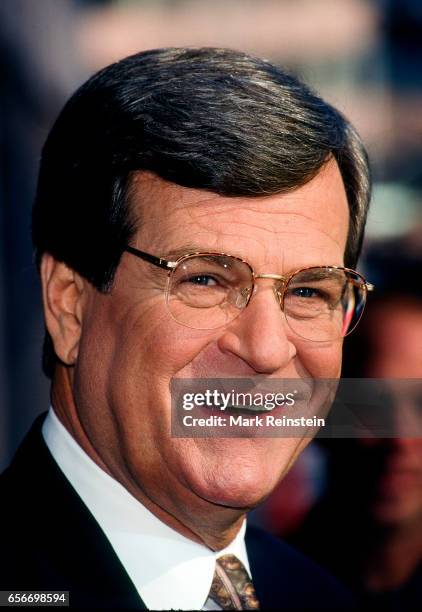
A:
[208,118]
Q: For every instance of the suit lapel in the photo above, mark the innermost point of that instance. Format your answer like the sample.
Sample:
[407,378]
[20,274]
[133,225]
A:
[69,548]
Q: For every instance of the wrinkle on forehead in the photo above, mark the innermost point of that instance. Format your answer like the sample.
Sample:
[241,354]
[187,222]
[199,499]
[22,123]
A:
[168,211]
[286,227]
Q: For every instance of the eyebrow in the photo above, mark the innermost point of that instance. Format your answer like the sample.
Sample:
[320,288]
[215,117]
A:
[315,275]
[311,275]
[173,254]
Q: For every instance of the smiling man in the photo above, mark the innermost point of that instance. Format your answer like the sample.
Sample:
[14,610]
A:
[198,215]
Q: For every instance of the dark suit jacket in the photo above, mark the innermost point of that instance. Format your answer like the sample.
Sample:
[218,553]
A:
[50,541]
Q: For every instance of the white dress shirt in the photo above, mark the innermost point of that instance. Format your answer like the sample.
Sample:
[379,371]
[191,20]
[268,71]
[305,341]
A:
[167,569]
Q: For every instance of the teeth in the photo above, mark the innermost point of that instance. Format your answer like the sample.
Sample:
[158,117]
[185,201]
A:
[251,408]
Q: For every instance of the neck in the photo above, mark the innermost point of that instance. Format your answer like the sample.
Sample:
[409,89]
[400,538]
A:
[201,521]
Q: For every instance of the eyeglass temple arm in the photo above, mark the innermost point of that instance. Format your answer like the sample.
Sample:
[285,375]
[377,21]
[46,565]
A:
[156,261]
[369,286]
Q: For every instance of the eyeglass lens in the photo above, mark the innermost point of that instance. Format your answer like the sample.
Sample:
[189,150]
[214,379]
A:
[320,304]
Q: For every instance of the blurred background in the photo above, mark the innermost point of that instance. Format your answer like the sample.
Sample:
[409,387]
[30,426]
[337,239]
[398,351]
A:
[364,56]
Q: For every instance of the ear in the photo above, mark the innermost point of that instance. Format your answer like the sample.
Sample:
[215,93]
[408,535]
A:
[63,292]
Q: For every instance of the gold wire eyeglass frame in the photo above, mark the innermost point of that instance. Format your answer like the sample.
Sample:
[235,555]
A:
[170,267]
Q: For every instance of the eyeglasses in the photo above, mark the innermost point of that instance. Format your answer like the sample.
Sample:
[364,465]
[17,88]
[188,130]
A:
[209,290]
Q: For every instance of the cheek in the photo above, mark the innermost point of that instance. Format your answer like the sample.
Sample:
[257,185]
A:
[146,351]
[320,360]
[158,349]
[93,365]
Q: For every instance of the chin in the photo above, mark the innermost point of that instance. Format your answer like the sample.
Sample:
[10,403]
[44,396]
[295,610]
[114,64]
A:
[236,482]
[237,496]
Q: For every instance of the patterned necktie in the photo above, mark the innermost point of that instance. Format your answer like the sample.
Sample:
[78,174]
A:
[231,587]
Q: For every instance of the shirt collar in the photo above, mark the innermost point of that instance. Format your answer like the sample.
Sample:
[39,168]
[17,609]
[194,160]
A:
[167,569]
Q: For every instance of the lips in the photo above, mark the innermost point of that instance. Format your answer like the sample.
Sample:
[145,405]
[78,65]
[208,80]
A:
[248,410]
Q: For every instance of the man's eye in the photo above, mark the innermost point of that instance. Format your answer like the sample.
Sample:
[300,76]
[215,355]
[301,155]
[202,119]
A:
[201,279]
[306,292]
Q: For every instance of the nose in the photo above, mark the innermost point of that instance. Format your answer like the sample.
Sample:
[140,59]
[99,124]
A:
[260,335]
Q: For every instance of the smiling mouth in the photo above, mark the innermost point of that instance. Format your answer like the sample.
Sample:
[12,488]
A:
[250,409]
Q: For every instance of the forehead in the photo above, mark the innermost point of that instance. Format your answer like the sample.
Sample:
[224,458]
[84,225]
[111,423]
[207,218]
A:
[306,226]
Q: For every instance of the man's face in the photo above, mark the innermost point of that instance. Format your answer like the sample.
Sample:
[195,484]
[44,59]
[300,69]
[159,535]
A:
[131,348]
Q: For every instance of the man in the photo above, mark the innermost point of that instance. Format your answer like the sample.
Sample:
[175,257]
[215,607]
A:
[164,174]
